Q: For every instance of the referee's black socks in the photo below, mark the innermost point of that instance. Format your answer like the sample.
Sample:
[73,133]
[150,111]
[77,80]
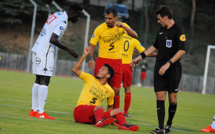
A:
[161,113]
[172,110]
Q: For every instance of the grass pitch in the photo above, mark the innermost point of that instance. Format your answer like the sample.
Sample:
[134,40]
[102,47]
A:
[195,111]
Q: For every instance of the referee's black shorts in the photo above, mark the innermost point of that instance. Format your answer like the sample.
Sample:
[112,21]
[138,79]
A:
[170,80]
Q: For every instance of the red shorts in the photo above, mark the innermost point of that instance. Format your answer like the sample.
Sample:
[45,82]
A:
[84,114]
[143,76]
[127,74]
[116,80]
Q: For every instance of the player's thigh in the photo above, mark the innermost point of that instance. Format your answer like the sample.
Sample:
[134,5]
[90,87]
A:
[127,75]
[160,81]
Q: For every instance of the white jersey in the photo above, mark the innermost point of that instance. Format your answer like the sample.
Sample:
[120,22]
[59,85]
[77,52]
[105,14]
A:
[56,23]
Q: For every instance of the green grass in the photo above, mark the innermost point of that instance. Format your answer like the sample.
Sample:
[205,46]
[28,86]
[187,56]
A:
[195,111]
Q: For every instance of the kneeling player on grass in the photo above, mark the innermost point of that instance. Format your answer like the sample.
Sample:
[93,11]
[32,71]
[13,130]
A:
[88,108]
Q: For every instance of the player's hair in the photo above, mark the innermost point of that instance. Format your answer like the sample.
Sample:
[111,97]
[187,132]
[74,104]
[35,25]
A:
[164,11]
[111,10]
[110,70]
[75,7]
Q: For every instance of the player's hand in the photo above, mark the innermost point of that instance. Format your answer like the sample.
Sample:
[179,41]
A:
[119,24]
[87,50]
[164,68]
[135,61]
[91,64]
[72,52]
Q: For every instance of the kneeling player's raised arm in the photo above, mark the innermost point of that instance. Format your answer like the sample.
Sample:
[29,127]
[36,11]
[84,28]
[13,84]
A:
[76,68]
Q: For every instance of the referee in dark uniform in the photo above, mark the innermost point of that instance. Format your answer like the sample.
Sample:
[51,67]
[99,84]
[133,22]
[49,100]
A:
[170,43]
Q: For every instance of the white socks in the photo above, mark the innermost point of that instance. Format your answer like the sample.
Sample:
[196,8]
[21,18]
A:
[213,123]
[35,96]
[42,96]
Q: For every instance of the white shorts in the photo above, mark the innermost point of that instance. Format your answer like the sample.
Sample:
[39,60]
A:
[43,64]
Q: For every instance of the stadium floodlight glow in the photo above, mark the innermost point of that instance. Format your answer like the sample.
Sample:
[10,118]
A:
[32,34]
[86,36]
[206,67]
[56,51]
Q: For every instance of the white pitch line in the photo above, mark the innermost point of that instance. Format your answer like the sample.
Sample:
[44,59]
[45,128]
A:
[71,114]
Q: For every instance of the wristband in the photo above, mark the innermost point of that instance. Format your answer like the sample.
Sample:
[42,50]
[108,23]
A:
[170,62]
[143,55]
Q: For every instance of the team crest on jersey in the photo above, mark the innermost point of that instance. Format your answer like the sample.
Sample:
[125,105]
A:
[61,27]
[182,37]
[169,43]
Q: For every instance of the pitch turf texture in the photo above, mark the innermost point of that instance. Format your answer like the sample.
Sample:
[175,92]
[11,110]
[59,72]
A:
[195,111]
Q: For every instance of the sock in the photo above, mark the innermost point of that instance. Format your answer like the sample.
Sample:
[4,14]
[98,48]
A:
[42,96]
[172,110]
[120,118]
[107,114]
[35,96]
[161,113]
[127,102]
[213,123]
[99,114]
[116,101]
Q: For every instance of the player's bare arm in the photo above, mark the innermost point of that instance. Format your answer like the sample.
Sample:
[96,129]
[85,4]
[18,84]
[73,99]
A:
[91,63]
[54,40]
[109,107]
[76,68]
[175,58]
[130,32]
[148,52]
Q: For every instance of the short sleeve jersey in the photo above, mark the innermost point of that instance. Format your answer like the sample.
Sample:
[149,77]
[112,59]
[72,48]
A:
[129,44]
[168,42]
[110,40]
[93,92]
[56,23]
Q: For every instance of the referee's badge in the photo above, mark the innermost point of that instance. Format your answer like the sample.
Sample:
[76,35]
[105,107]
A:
[168,43]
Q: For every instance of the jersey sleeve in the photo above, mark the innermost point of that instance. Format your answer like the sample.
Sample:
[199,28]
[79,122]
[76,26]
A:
[138,46]
[110,98]
[95,37]
[85,76]
[60,28]
[181,38]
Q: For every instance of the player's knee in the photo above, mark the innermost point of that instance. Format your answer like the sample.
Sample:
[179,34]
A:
[119,110]
[96,108]
[37,79]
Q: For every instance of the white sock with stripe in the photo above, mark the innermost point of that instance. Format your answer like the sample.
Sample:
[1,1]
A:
[35,96]
[42,96]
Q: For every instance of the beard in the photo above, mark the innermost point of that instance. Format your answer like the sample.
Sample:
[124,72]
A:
[97,77]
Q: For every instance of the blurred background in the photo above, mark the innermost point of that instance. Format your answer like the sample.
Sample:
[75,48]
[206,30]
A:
[197,17]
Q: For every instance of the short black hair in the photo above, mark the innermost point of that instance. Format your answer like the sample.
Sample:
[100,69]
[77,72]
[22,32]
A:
[111,10]
[76,7]
[110,70]
[164,11]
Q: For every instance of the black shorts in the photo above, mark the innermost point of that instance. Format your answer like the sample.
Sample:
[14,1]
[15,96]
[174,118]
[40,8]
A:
[170,80]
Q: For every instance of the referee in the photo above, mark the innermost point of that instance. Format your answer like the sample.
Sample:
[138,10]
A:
[170,43]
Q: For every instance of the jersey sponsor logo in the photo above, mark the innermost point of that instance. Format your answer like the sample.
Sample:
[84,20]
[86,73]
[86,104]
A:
[161,33]
[112,38]
[182,37]
[169,43]
[176,90]
[38,60]
[97,93]
[61,27]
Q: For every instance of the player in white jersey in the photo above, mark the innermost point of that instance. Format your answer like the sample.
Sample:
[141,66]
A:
[43,55]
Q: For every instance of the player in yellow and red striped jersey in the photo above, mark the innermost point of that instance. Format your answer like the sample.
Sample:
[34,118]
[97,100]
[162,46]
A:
[95,91]
[110,37]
